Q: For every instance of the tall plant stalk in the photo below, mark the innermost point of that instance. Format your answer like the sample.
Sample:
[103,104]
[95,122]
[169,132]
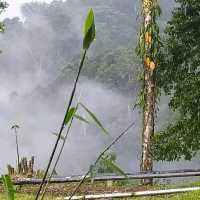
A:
[62,126]
[58,158]
[15,128]
[148,48]
[89,31]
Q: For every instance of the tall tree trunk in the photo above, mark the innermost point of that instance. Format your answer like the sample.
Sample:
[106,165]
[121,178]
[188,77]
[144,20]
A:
[148,124]
[148,90]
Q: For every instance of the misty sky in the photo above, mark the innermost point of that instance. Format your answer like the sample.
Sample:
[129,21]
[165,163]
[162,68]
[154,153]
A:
[14,7]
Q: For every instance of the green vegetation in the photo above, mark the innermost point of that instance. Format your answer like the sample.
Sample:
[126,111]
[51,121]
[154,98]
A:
[89,36]
[186,196]
[179,77]
[175,70]
[3,6]
[25,197]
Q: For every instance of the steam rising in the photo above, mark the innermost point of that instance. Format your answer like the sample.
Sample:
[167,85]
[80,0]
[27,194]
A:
[33,57]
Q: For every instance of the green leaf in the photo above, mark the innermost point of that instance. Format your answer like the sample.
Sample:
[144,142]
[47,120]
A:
[116,169]
[81,118]
[95,119]
[56,134]
[89,21]
[69,115]
[9,187]
[89,30]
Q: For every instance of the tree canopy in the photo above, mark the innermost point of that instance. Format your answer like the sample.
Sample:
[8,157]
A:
[179,77]
[3,5]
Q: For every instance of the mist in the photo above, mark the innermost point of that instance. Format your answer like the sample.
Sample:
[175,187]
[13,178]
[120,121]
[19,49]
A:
[35,92]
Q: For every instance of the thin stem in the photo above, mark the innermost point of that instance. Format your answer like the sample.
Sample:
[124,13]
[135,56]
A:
[17,146]
[99,157]
[62,126]
[58,158]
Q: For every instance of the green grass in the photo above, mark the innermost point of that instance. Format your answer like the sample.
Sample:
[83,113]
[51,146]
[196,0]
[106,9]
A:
[25,197]
[27,192]
[185,196]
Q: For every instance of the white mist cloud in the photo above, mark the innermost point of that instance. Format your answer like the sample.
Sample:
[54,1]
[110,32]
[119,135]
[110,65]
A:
[14,7]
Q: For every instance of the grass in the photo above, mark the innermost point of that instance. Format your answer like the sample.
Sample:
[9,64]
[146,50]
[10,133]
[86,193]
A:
[25,197]
[58,191]
[185,196]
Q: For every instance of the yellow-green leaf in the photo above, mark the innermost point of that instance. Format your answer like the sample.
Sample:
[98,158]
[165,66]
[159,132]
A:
[89,30]
[69,115]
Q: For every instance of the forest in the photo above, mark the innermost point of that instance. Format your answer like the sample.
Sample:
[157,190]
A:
[100,100]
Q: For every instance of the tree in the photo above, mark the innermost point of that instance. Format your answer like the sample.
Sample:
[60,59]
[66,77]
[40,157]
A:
[148,48]
[179,77]
[3,6]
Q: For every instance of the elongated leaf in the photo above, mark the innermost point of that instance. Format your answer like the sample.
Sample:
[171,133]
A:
[56,134]
[81,118]
[89,21]
[95,119]
[116,169]
[69,115]
[89,30]
[9,187]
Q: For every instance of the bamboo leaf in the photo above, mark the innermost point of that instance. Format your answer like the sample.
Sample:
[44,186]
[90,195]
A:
[89,30]
[9,187]
[89,21]
[69,115]
[95,119]
[116,169]
[81,118]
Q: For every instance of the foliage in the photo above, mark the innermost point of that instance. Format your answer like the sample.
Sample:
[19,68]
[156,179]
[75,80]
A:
[89,30]
[106,165]
[116,69]
[70,111]
[103,167]
[94,118]
[8,186]
[3,6]
[148,47]
[179,77]
[69,115]
[50,34]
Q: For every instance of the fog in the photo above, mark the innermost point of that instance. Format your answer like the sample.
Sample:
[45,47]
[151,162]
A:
[38,120]
[34,53]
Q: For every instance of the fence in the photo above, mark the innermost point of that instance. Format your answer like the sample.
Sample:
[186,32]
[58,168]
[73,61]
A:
[111,177]
[155,175]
